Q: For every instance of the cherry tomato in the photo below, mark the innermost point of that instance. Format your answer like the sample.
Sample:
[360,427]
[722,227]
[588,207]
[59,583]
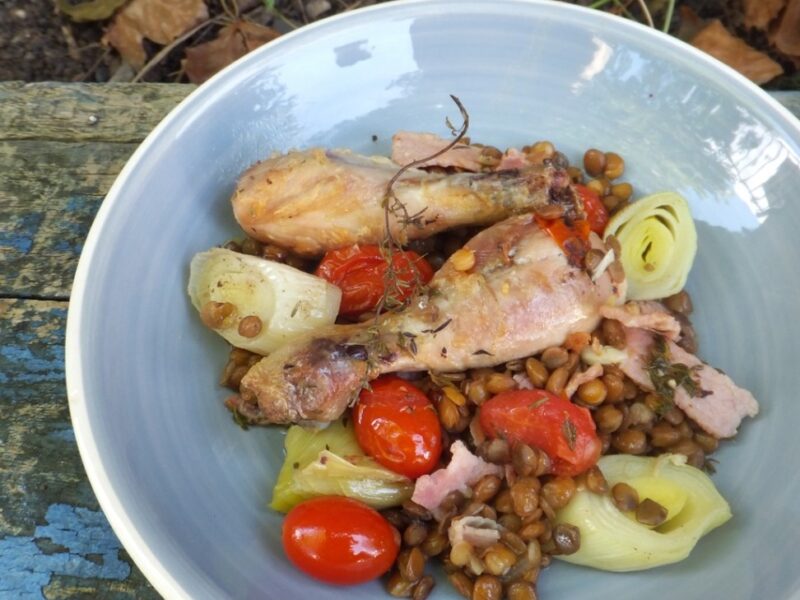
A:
[551,423]
[572,238]
[596,213]
[339,540]
[396,424]
[359,272]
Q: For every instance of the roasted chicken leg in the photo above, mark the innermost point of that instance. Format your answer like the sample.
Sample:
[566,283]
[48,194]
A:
[318,200]
[521,296]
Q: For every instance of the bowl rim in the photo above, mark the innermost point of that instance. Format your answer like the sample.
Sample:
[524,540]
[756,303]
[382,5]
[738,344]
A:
[112,505]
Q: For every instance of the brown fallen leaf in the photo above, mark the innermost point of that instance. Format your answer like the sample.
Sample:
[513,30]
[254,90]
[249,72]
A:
[722,45]
[690,24]
[89,10]
[232,42]
[160,21]
[758,14]
[787,36]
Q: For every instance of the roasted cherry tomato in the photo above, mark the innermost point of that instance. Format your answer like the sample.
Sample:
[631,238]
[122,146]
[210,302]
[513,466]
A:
[551,423]
[596,213]
[339,540]
[359,272]
[397,425]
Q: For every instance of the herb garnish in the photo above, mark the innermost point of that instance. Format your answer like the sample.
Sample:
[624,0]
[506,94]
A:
[668,376]
[570,432]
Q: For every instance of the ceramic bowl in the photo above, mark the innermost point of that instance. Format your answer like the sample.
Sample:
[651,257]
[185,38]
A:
[186,490]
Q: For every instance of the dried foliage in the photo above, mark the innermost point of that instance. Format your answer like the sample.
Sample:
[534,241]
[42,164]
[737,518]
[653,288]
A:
[787,35]
[722,45]
[758,14]
[160,21]
[232,42]
[93,10]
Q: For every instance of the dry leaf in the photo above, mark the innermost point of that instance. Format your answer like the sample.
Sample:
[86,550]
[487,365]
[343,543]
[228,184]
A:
[232,42]
[722,45]
[89,10]
[759,14]
[787,36]
[160,21]
[690,23]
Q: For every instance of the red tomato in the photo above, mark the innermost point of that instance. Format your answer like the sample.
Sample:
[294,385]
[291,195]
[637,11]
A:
[596,213]
[359,272]
[339,540]
[551,423]
[397,425]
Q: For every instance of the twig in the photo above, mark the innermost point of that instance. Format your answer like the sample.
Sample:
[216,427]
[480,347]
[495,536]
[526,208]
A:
[648,17]
[93,68]
[162,54]
[668,16]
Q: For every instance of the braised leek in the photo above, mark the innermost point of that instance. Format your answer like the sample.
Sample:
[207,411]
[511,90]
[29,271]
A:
[658,241]
[615,541]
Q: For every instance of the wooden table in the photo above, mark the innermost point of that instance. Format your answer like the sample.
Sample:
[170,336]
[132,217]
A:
[61,146]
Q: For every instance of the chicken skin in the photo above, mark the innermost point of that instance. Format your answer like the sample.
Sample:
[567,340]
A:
[521,296]
[317,200]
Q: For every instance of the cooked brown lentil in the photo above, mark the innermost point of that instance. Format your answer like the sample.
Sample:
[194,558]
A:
[525,459]
[498,559]
[521,590]
[649,512]
[567,538]
[461,582]
[623,191]
[250,326]
[559,491]
[411,564]
[214,315]
[423,588]
[536,372]
[624,496]
[487,587]
[679,303]
[592,393]
[608,418]
[615,165]
[613,333]
[525,495]
[594,162]
[555,357]
[595,480]
[486,488]
[557,380]
[630,441]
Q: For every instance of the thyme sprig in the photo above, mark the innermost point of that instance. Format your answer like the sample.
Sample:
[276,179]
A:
[668,376]
[396,288]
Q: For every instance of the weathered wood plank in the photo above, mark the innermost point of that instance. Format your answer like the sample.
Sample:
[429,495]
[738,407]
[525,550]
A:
[55,541]
[49,195]
[79,112]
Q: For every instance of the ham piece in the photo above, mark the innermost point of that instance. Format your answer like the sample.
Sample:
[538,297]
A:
[648,315]
[721,408]
[463,470]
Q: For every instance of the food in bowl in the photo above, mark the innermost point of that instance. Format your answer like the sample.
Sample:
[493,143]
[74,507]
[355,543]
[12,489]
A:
[507,372]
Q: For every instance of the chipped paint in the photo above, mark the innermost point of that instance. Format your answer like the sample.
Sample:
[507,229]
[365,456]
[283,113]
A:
[75,541]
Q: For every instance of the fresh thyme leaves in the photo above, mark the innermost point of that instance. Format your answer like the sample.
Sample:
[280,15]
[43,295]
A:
[482,352]
[570,432]
[537,404]
[668,376]
[395,294]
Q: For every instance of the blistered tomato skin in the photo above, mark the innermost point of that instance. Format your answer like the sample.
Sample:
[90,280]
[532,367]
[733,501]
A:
[565,431]
[339,540]
[397,425]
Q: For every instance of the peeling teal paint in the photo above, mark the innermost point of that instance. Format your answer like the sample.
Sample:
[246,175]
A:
[90,549]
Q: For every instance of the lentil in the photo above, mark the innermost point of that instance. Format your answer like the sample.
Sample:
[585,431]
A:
[487,587]
[680,303]
[415,534]
[624,496]
[434,544]
[594,162]
[559,491]
[614,387]
[649,512]
[554,357]
[608,418]
[525,459]
[567,538]
[463,259]
[399,587]
[250,326]
[215,314]
[557,380]
[423,588]
[461,583]
[521,590]
[613,333]
[500,382]
[596,481]
[615,165]
[664,435]
[536,372]
[411,564]
[630,441]
[486,488]
[623,191]
[592,392]
[498,559]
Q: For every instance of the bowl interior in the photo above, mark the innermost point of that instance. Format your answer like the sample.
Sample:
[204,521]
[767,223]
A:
[186,490]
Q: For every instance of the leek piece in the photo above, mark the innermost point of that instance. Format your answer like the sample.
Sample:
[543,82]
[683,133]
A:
[611,541]
[658,241]
[288,301]
[329,461]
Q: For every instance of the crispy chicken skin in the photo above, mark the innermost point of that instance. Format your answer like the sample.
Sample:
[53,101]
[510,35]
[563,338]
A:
[521,296]
[317,200]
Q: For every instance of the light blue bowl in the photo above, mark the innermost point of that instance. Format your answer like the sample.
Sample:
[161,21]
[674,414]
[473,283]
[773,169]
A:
[186,490]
